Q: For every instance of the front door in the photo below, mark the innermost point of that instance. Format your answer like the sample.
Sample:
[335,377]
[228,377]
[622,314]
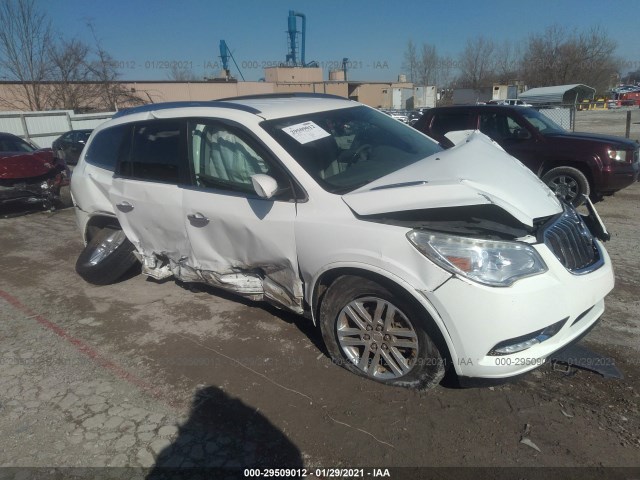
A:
[514,136]
[239,241]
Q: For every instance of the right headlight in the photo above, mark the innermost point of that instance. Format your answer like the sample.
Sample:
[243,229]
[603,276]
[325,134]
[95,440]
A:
[618,155]
[490,262]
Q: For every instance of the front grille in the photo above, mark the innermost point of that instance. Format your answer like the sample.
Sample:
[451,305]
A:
[572,243]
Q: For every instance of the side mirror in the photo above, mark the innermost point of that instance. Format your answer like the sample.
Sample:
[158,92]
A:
[264,185]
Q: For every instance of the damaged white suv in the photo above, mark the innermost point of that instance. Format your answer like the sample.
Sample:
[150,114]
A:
[412,259]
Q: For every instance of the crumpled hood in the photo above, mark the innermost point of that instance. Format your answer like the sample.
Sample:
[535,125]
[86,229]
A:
[21,165]
[475,172]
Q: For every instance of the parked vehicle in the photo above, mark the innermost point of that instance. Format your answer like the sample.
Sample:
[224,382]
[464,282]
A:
[69,145]
[414,116]
[510,101]
[29,174]
[412,259]
[571,164]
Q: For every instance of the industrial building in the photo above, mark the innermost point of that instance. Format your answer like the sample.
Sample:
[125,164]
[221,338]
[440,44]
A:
[295,74]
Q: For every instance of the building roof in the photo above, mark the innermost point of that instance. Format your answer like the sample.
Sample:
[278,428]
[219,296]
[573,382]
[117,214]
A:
[573,93]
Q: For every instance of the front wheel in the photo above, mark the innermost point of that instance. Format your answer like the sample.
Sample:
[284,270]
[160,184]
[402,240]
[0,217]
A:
[568,183]
[380,335]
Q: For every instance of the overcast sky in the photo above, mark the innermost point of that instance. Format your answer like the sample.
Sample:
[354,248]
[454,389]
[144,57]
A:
[144,35]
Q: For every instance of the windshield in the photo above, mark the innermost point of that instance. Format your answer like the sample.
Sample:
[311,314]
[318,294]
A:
[9,144]
[348,148]
[541,122]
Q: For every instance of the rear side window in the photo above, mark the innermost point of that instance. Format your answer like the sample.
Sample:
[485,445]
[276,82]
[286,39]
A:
[108,146]
[158,152]
[448,122]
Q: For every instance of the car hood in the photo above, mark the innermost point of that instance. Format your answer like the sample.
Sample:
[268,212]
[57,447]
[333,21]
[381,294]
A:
[475,172]
[594,137]
[17,165]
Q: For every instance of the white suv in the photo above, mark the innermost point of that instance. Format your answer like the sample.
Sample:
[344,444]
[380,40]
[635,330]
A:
[413,260]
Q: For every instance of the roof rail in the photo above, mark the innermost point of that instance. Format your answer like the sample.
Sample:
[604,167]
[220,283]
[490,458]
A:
[284,95]
[152,107]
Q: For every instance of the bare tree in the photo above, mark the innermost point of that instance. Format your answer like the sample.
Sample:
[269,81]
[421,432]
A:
[411,61]
[632,77]
[508,60]
[444,74]
[477,68]
[428,65]
[181,74]
[73,86]
[558,57]
[105,74]
[25,36]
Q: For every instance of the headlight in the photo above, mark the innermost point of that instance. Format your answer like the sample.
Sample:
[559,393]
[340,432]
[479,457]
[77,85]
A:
[494,263]
[618,155]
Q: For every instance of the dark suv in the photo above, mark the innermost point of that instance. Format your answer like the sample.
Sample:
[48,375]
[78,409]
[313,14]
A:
[571,164]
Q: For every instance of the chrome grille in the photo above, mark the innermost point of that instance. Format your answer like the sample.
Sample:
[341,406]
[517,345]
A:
[572,243]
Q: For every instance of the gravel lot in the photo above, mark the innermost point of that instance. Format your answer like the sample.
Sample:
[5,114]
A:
[145,373]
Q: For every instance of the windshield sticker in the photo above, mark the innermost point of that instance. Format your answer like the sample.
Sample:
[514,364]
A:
[306,132]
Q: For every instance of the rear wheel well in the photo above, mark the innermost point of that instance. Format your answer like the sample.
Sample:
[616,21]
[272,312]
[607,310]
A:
[99,222]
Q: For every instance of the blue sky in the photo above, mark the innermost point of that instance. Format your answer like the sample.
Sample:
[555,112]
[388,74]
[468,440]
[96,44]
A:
[373,34]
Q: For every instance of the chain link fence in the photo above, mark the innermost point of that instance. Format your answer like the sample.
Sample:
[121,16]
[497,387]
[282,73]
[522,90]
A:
[563,115]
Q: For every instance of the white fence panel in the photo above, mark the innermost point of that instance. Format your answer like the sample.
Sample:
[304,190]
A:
[42,128]
[11,123]
[89,120]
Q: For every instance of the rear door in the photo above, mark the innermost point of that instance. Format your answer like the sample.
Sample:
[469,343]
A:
[240,241]
[146,191]
[446,121]
[514,135]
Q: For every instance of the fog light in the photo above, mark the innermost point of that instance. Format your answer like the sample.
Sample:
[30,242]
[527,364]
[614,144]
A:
[524,342]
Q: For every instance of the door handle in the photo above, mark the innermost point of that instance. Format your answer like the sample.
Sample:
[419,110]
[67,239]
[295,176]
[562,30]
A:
[125,206]
[197,219]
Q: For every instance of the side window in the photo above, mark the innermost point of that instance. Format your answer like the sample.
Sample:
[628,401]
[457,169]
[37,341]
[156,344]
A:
[224,158]
[448,122]
[108,146]
[157,152]
[501,127]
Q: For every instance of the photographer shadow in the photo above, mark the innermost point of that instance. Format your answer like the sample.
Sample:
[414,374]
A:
[222,437]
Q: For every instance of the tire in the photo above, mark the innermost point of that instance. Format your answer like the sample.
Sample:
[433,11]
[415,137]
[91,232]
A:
[64,198]
[568,183]
[366,347]
[107,257]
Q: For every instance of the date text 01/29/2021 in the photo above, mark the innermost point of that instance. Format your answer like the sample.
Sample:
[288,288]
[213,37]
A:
[317,472]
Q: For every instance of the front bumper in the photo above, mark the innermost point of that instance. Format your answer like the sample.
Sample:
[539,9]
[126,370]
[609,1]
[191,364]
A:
[617,177]
[43,192]
[478,318]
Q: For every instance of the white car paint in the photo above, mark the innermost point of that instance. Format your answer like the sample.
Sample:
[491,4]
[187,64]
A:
[458,177]
[300,241]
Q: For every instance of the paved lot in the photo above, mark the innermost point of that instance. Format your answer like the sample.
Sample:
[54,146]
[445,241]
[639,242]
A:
[142,373]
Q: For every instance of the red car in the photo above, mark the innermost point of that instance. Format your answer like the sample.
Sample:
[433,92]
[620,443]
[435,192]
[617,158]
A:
[29,174]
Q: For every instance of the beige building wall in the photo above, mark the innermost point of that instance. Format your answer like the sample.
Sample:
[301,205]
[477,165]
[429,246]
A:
[373,94]
[292,74]
[332,88]
[195,91]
